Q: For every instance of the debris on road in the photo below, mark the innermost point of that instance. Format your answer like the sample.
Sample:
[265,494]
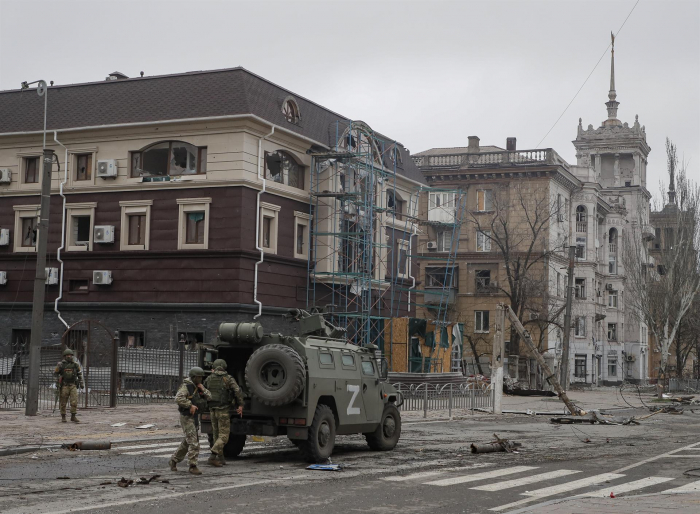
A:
[118,424]
[62,478]
[146,481]
[88,445]
[148,425]
[125,482]
[325,467]
[499,445]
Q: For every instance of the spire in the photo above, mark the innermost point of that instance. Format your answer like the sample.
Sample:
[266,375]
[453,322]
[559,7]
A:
[612,95]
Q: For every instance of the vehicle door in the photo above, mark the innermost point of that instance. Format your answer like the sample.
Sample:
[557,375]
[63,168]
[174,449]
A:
[370,388]
[349,390]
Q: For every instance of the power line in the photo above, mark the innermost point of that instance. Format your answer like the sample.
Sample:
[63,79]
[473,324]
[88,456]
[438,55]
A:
[588,77]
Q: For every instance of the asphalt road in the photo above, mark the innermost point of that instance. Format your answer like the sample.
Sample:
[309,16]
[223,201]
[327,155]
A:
[431,471]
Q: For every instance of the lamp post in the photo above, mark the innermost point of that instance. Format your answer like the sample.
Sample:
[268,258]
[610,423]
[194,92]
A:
[32,403]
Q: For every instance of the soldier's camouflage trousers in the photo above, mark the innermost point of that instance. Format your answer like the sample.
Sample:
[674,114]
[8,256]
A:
[221,426]
[190,444]
[68,392]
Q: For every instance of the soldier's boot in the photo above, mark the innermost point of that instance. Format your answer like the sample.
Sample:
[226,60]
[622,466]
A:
[222,459]
[195,470]
[63,418]
[173,465]
[214,461]
[74,418]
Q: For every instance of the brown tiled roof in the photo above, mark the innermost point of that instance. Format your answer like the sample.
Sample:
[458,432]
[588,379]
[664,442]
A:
[457,149]
[198,94]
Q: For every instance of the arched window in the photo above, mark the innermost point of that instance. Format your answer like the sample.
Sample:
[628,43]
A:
[290,109]
[281,167]
[581,219]
[169,158]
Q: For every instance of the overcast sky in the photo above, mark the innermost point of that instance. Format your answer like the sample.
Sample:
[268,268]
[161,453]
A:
[427,73]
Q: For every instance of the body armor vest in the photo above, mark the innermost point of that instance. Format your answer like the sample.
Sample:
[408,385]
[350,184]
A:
[69,373]
[219,392]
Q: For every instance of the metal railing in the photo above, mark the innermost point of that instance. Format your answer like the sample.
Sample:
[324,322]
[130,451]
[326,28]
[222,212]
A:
[491,159]
[447,397]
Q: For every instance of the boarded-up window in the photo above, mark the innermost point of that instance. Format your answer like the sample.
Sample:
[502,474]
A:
[137,229]
[194,231]
[83,167]
[484,200]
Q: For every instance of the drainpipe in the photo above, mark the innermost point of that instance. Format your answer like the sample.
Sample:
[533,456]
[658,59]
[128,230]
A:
[63,231]
[261,177]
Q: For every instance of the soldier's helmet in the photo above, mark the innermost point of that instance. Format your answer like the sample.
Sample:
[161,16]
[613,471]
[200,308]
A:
[219,363]
[67,351]
[196,372]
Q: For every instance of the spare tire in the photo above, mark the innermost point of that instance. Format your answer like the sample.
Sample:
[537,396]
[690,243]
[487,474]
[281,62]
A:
[275,374]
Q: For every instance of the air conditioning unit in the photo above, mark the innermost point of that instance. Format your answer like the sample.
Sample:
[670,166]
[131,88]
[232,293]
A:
[608,287]
[101,278]
[560,218]
[5,176]
[4,236]
[51,276]
[107,168]
[3,278]
[104,234]
[432,245]
[630,358]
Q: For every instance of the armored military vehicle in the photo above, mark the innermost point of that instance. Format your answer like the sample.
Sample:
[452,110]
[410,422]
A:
[309,387]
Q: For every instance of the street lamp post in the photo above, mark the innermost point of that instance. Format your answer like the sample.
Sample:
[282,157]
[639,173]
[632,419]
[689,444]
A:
[32,403]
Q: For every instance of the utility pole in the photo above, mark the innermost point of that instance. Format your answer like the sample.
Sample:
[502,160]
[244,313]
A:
[497,360]
[564,368]
[32,405]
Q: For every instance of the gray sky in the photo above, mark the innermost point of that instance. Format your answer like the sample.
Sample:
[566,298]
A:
[428,73]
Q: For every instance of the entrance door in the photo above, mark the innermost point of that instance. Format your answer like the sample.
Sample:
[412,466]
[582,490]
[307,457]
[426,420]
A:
[370,389]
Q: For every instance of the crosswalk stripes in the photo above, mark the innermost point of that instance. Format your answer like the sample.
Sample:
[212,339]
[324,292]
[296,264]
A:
[627,487]
[425,474]
[481,476]
[532,479]
[687,488]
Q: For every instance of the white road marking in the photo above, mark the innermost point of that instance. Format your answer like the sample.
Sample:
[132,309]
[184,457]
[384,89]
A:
[525,480]
[557,489]
[156,445]
[687,488]
[154,450]
[480,476]
[682,456]
[651,459]
[433,473]
[625,488]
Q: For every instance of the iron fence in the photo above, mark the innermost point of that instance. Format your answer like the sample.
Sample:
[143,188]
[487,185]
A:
[429,397]
[684,384]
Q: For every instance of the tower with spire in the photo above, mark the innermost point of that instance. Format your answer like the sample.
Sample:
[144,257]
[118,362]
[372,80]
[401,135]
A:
[616,151]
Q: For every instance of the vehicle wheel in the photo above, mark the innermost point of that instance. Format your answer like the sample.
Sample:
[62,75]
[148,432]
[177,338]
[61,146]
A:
[318,446]
[210,438]
[275,374]
[234,447]
[387,434]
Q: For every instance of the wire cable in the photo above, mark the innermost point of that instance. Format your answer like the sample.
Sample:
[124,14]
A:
[588,77]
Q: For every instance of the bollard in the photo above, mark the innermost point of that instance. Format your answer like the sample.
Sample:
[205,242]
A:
[425,402]
[450,404]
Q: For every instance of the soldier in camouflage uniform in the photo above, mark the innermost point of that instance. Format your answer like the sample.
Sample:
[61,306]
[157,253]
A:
[191,398]
[69,379]
[225,394]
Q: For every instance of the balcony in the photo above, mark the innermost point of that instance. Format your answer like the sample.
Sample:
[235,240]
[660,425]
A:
[439,296]
[612,248]
[491,159]
[648,232]
[582,227]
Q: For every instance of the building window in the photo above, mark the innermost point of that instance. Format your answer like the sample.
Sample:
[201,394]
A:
[483,280]
[440,277]
[580,326]
[80,226]
[136,223]
[645,339]
[581,220]
[132,338]
[78,286]
[558,284]
[26,227]
[290,110]
[193,226]
[580,248]
[444,240]
[657,238]
[403,264]
[83,166]
[31,170]
[268,226]
[282,168]
[559,204]
[668,238]
[612,331]
[483,241]
[441,207]
[612,367]
[481,322]
[190,339]
[302,236]
[580,365]
[612,299]
[484,200]
[395,204]
[580,290]
[169,158]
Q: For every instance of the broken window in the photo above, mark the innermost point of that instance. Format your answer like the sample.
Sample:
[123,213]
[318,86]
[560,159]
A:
[403,263]
[137,229]
[190,339]
[483,280]
[83,167]
[29,228]
[281,167]
[440,277]
[194,227]
[31,170]
[290,110]
[169,158]
[81,230]
[301,229]
[78,286]
[580,326]
[612,331]
[132,338]
[481,321]
[580,362]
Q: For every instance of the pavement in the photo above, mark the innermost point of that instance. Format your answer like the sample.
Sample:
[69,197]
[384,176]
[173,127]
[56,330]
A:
[647,468]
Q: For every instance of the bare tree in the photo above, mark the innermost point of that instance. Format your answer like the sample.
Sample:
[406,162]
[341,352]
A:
[517,226]
[661,297]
